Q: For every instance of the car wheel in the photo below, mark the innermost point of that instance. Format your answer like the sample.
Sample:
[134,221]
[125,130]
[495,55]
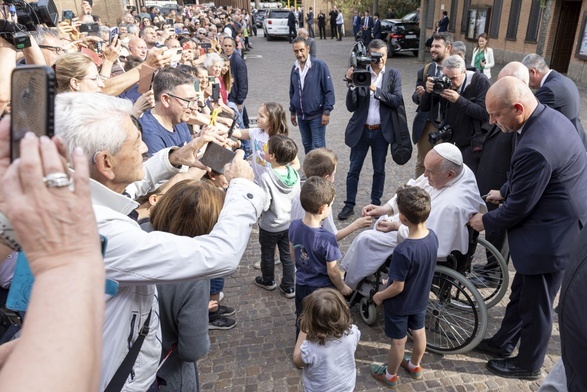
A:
[389,50]
[415,52]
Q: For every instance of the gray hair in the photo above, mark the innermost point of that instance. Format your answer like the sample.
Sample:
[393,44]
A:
[303,31]
[454,62]
[43,33]
[446,166]
[169,78]
[92,121]
[377,44]
[535,61]
[211,59]
[132,28]
[459,46]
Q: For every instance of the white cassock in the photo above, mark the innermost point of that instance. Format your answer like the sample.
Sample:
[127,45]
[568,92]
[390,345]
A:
[451,208]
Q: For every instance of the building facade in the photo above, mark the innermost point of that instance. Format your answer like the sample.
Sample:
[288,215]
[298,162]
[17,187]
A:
[554,29]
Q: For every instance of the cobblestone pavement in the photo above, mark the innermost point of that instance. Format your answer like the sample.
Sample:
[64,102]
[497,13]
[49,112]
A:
[256,354]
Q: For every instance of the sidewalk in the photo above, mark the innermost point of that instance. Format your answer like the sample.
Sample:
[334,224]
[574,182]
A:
[256,354]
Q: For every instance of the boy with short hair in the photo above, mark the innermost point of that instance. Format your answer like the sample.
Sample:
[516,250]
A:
[406,297]
[281,185]
[315,249]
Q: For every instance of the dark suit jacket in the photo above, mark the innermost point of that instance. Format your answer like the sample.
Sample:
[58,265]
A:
[562,94]
[377,29]
[240,87]
[357,102]
[291,20]
[545,203]
[367,32]
[423,116]
[494,163]
[443,24]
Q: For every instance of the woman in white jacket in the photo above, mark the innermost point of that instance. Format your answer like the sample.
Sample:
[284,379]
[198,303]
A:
[483,56]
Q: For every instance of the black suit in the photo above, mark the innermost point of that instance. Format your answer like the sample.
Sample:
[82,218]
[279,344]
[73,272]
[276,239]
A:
[240,86]
[333,14]
[377,29]
[562,94]
[367,28]
[544,208]
[360,138]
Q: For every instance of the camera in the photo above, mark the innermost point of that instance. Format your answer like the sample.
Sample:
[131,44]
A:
[443,134]
[359,61]
[29,15]
[441,83]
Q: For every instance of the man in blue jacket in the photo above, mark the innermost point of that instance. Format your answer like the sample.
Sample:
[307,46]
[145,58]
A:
[311,96]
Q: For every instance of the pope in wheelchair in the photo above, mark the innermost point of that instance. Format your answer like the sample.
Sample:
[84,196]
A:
[454,199]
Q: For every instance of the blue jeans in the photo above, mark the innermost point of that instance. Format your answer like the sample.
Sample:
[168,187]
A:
[313,133]
[379,148]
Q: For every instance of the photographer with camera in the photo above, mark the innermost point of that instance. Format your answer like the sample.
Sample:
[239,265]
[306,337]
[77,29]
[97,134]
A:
[373,93]
[461,96]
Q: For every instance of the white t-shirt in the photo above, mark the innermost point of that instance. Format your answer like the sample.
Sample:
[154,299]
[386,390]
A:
[259,139]
[331,367]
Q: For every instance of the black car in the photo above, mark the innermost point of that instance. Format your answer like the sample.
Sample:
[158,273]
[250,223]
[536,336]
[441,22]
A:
[401,36]
[260,17]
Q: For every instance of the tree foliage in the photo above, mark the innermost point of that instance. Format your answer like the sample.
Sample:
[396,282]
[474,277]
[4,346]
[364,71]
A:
[399,7]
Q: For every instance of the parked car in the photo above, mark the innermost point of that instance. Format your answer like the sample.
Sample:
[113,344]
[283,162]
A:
[260,17]
[411,17]
[401,36]
[275,24]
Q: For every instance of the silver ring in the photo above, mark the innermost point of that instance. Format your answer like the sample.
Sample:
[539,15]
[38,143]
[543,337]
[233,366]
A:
[57,180]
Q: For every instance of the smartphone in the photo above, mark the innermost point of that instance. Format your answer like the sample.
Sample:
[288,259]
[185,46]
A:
[175,54]
[146,76]
[215,92]
[169,21]
[231,129]
[33,86]
[67,15]
[216,157]
[207,46]
[113,33]
[197,85]
[89,28]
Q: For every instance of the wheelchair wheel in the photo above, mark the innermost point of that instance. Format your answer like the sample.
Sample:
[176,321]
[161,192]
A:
[368,311]
[456,317]
[488,273]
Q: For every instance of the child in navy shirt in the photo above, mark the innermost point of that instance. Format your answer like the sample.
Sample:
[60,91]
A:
[406,297]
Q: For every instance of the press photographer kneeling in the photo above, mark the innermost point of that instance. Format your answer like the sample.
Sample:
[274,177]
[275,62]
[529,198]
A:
[462,107]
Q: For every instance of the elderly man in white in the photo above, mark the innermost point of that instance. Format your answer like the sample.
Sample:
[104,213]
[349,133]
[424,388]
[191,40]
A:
[455,198]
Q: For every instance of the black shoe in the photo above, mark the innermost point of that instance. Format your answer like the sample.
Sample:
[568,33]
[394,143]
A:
[221,322]
[346,212]
[289,293]
[509,368]
[225,310]
[265,285]
[495,352]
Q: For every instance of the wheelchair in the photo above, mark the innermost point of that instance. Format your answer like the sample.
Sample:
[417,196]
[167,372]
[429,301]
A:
[463,288]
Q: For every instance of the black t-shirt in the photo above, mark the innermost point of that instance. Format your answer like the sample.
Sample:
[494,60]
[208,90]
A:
[413,262]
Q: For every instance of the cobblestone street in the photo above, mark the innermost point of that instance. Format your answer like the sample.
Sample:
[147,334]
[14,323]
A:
[256,354]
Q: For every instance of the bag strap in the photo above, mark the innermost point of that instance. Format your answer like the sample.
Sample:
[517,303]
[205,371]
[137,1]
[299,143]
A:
[425,73]
[119,378]
[394,114]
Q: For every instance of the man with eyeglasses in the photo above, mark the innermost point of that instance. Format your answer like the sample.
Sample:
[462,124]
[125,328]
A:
[165,125]
[371,124]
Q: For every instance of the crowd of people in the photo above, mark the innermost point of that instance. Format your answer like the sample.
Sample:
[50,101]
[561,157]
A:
[140,105]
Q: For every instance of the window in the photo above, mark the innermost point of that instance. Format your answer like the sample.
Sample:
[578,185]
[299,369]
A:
[478,22]
[453,15]
[534,21]
[512,32]
[495,18]
[465,18]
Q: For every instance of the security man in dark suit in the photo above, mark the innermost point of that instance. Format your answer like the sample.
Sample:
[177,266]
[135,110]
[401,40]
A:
[366,27]
[555,90]
[291,24]
[370,125]
[376,32]
[544,207]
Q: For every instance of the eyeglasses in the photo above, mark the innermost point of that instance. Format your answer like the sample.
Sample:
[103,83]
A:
[57,49]
[190,103]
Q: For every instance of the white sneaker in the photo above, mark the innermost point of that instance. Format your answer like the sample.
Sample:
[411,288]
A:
[220,296]
[257,265]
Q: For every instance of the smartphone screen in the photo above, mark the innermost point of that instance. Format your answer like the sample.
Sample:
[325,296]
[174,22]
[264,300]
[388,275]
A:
[215,92]
[67,15]
[197,85]
[32,87]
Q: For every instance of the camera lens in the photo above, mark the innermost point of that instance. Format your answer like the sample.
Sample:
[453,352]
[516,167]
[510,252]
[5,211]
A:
[361,79]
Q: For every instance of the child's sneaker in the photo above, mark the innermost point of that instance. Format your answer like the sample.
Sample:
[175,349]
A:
[379,373]
[415,373]
[267,286]
[289,293]
[221,322]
